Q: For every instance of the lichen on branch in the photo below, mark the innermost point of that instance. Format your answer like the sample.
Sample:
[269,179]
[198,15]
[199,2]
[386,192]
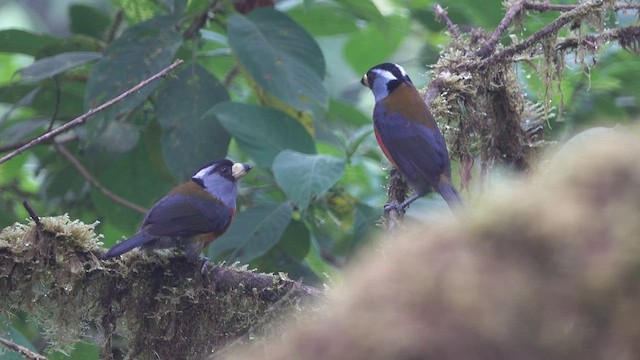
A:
[152,303]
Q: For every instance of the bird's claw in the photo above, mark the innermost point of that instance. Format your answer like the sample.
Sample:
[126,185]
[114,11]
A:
[205,263]
[393,206]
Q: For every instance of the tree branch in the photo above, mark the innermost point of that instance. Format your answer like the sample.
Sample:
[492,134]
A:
[32,215]
[200,21]
[490,45]
[82,118]
[95,183]
[576,13]
[162,301]
[28,354]
[441,14]
[545,6]
[230,76]
[396,194]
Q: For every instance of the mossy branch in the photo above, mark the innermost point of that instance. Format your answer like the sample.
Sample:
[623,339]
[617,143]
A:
[154,304]
[477,96]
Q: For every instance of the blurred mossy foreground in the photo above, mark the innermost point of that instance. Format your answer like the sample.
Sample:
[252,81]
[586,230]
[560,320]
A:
[546,270]
[158,303]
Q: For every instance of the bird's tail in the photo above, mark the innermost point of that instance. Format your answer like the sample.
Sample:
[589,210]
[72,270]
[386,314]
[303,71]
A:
[136,240]
[452,197]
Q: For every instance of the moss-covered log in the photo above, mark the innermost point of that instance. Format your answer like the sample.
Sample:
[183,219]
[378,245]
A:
[159,304]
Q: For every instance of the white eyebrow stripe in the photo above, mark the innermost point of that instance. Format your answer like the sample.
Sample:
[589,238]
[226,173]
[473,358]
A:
[201,174]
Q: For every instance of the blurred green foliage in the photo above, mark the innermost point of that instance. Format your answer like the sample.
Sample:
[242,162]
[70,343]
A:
[278,88]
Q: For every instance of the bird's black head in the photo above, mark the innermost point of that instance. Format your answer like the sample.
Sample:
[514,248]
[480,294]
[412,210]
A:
[384,78]
[224,168]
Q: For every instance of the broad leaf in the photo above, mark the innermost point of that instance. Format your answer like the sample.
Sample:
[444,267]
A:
[302,176]
[281,57]
[375,44]
[140,52]
[50,66]
[296,240]
[263,132]
[324,19]
[253,233]
[74,43]
[17,132]
[23,42]
[26,100]
[366,10]
[88,20]
[191,135]
[134,178]
[138,10]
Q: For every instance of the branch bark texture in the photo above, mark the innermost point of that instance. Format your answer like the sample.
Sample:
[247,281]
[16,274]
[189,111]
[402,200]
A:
[159,303]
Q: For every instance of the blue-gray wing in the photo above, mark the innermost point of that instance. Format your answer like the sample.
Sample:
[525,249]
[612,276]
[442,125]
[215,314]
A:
[418,151]
[186,216]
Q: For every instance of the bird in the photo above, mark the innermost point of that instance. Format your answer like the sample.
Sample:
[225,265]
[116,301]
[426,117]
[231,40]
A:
[409,136]
[192,214]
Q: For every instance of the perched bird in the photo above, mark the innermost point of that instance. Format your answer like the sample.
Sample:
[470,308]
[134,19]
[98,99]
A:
[408,135]
[191,215]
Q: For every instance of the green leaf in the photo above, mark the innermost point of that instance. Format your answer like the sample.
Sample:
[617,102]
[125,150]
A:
[62,184]
[366,10]
[117,137]
[253,233]
[17,132]
[375,44]
[140,52]
[81,351]
[138,10]
[302,176]
[279,260]
[364,226]
[324,19]
[42,98]
[263,132]
[296,240]
[281,57]
[74,43]
[88,20]
[134,178]
[23,42]
[50,66]
[191,135]
[13,334]
[214,37]
[317,264]
[26,100]
[345,113]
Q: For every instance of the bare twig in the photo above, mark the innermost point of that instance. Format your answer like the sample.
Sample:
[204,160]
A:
[545,6]
[115,25]
[545,32]
[82,118]
[56,108]
[592,42]
[33,215]
[11,147]
[200,21]
[95,183]
[441,14]
[28,354]
[490,45]
[230,76]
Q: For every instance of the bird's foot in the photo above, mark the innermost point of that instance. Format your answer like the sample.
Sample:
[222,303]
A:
[394,206]
[205,263]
